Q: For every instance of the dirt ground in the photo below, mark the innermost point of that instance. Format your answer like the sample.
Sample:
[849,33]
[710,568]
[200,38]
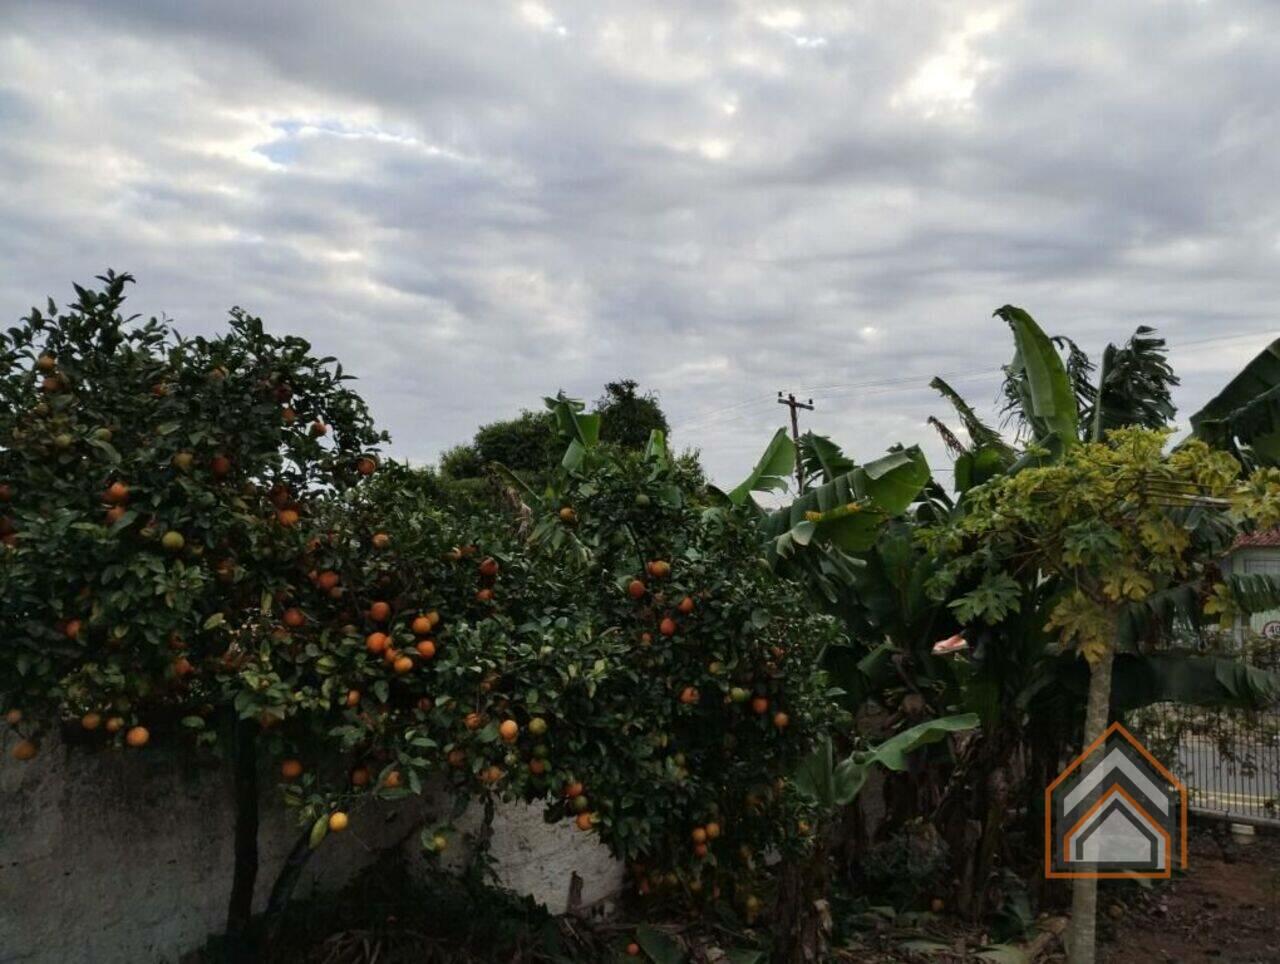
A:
[1226,908]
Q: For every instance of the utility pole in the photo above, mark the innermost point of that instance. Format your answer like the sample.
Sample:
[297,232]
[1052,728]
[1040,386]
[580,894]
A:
[791,403]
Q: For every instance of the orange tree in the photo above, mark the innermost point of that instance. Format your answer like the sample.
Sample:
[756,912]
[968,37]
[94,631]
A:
[643,673]
[157,492]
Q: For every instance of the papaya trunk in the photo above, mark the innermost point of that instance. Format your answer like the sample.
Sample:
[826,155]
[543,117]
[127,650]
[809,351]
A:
[1082,941]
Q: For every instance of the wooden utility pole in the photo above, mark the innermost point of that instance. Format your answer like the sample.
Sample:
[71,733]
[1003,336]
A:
[791,403]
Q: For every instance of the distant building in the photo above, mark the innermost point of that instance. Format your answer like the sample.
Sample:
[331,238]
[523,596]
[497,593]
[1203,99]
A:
[1257,553]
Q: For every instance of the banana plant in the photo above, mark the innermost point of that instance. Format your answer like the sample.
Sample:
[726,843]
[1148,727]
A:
[1244,418]
[832,784]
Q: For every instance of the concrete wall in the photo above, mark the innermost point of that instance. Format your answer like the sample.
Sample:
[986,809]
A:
[122,857]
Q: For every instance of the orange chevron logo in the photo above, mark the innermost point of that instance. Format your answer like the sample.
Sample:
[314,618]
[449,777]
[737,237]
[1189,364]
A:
[1115,812]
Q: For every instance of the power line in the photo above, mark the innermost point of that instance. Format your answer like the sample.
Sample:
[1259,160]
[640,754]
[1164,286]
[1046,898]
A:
[715,416]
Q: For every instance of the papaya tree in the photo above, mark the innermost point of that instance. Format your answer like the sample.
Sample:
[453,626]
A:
[1117,526]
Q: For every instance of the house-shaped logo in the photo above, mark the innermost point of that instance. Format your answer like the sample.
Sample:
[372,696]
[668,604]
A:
[1115,812]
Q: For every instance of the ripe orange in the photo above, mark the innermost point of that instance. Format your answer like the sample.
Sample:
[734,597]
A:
[376,642]
[381,540]
[781,721]
[288,415]
[434,617]
[403,665]
[572,790]
[6,492]
[360,776]
[426,649]
[182,667]
[138,736]
[699,835]
[46,363]
[293,617]
[484,595]
[117,492]
[182,461]
[759,706]
[318,428]
[72,629]
[585,821]
[422,626]
[291,769]
[457,759]
[473,721]
[700,850]
[390,655]
[537,767]
[220,466]
[689,695]
[24,750]
[51,383]
[353,697]
[115,514]
[338,821]
[633,949]
[659,568]
[91,721]
[489,567]
[492,775]
[635,588]
[366,465]
[686,605]
[392,780]
[425,704]
[667,627]
[379,612]
[713,830]
[568,516]
[114,724]
[646,639]
[327,580]
[509,730]
[13,717]
[287,518]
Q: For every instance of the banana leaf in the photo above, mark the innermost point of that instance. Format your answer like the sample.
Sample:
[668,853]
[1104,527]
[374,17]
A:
[1049,399]
[771,472]
[1244,418]
[848,511]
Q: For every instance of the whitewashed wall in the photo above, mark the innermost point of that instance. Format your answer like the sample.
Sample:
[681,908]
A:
[117,857]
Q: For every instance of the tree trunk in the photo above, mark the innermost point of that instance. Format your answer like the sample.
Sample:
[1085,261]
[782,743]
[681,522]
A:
[1082,942]
[240,907]
[282,891]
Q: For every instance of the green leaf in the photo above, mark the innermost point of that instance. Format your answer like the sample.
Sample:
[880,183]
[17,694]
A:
[853,507]
[214,621]
[193,722]
[991,600]
[1049,398]
[1244,418]
[660,947]
[815,776]
[771,472]
[319,830]
[821,458]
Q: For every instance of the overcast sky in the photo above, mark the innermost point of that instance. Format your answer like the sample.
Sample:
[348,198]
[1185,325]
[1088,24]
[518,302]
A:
[476,204]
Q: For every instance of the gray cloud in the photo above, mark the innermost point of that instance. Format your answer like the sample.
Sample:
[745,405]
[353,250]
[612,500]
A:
[474,205]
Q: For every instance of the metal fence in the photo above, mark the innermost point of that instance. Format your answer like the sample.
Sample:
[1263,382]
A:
[1229,759]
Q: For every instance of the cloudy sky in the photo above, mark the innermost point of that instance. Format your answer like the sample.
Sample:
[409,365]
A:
[475,204]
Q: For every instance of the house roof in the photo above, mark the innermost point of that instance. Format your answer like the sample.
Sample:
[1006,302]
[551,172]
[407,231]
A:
[1263,539]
